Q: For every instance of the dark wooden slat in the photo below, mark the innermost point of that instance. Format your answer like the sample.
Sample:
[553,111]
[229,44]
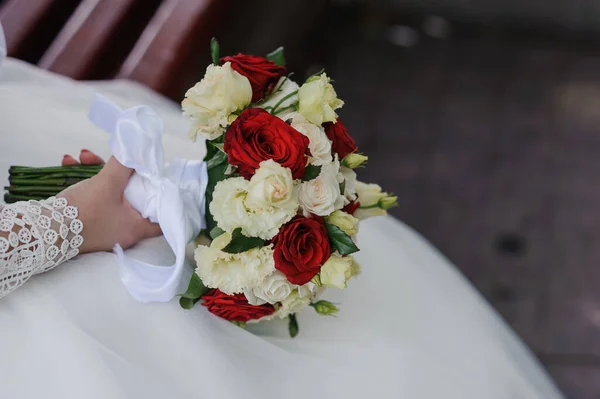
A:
[30,25]
[178,29]
[89,33]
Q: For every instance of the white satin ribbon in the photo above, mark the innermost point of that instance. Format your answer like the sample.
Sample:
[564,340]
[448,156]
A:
[172,196]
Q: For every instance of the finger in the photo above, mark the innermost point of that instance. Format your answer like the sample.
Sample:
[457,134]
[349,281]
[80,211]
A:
[89,158]
[151,229]
[69,161]
[117,173]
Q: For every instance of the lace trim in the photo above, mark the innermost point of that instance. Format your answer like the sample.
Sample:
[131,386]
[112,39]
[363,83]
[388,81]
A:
[36,236]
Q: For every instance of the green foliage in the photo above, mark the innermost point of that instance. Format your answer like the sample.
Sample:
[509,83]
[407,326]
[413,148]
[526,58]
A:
[240,243]
[340,240]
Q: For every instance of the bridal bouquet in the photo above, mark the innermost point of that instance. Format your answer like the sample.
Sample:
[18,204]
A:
[283,199]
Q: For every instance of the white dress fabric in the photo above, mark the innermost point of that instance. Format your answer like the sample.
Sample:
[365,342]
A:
[410,326]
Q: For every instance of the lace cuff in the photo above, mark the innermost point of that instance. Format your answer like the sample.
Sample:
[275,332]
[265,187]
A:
[36,236]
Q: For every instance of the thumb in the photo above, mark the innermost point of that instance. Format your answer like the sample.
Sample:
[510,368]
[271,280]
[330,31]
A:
[117,173]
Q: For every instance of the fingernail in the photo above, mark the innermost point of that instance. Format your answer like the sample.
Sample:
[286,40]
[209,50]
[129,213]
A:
[66,157]
[84,150]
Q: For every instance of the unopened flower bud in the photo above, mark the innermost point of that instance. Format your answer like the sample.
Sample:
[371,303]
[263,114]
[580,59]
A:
[325,308]
[354,160]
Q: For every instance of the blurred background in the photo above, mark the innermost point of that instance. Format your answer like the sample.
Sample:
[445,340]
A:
[483,116]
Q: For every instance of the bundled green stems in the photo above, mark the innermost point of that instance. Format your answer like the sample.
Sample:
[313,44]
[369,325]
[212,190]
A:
[29,183]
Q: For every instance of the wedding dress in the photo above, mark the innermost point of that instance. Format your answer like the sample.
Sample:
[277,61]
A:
[410,326]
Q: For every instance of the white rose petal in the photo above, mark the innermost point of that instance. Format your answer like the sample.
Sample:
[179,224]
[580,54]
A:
[319,144]
[272,186]
[273,289]
[321,196]
[318,100]
[211,102]
[233,273]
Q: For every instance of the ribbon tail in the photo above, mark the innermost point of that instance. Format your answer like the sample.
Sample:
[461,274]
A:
[152,283]
[104,113]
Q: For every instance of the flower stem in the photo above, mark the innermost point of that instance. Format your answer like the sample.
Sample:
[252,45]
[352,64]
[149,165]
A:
[274,111]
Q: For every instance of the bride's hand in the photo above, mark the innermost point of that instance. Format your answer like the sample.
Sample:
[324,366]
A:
[107,217]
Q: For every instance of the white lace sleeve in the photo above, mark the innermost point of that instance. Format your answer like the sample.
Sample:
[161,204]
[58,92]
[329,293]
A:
[36,236]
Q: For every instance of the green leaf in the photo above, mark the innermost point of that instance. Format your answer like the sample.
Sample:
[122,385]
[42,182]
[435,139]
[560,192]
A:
[240,243]
[218,146]
[194,292]
[277,56]
[214,50]
[340,240]
[217,231]
[293,325]
[311,172]
[343,187]
[218,159]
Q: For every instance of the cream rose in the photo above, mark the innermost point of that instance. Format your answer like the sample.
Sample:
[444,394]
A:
[337,271]
[319,144]
[321,196]
[211,102]
[318,100]
[273,289]
[232,273]
[272,186]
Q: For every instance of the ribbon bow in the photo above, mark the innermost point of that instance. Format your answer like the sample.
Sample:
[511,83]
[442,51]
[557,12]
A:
[172,196]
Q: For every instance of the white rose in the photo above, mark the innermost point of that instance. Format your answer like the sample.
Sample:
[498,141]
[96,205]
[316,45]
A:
[321,196]
[349,177]
[273,289]
[318,100]
[337,271]
[230,210]
[232,273]
[285,87]
[211,102]
[318,143]
[272,186]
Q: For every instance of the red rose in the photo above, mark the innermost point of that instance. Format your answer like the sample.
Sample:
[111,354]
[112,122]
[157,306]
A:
[257,136]
[300,249]
[351,207]
[262,73]
[234,307]
[343,144]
